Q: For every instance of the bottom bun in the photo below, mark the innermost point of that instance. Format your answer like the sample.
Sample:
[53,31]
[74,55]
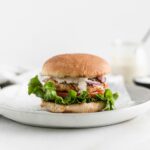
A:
[74,108]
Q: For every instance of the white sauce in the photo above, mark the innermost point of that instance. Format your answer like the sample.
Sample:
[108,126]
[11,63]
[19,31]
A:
[67,80]
[82,85]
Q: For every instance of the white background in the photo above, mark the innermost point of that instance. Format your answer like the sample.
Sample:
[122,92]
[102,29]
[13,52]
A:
[33,30]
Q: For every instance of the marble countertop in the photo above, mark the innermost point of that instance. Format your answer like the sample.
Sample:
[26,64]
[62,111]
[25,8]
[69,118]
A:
[133,134]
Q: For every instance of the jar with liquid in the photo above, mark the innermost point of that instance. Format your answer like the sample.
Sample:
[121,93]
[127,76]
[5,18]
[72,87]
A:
[129,59]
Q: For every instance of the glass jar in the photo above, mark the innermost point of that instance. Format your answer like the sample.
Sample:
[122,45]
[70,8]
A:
[129,59]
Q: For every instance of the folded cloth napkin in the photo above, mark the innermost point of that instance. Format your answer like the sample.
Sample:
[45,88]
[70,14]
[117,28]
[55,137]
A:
[17,96]
[9,75]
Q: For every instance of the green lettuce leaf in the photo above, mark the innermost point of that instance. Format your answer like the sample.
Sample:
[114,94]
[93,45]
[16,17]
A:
[83,97]
[109,98]
[48,93]
[59,100]
[35,87]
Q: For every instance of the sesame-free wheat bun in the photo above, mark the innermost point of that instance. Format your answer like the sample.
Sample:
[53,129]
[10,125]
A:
[75,65]
[74,108]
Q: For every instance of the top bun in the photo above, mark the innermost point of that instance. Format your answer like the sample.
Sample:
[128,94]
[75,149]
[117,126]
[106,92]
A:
[75,65]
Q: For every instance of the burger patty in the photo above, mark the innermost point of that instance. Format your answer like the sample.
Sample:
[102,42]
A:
[66,87]
[63,88]
[92,90]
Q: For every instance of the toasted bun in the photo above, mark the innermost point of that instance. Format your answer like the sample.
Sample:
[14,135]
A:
[75,65]
[74,108]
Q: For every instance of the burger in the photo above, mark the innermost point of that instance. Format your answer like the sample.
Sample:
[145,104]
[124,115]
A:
[73,83]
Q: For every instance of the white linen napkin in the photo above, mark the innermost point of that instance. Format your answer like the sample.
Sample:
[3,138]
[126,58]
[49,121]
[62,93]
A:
[10,73]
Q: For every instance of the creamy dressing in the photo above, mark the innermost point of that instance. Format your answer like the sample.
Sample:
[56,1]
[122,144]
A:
[82,85]
[67,80]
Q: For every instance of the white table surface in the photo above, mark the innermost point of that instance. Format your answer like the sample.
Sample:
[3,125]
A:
[133,134]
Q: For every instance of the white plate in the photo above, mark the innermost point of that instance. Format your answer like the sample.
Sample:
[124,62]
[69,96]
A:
[139,95]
